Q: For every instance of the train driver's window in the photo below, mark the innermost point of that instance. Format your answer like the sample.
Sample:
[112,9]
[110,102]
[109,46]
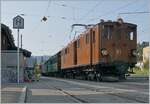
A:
[108,32]
[78,43]
[118,34]
[131,35]
[110,29]
[105,32]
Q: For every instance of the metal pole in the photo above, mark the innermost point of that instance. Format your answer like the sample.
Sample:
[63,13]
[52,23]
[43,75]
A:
[18,57]
[21,41]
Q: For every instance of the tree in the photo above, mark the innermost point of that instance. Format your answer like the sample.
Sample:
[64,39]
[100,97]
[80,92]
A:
[140,47]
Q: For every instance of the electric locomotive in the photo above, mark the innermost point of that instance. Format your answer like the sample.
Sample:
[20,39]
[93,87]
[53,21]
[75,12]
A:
[104,49]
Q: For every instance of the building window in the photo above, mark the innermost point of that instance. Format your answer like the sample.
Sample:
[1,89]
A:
[87,39]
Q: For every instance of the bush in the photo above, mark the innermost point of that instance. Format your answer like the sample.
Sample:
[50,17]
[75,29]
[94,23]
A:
[146,64]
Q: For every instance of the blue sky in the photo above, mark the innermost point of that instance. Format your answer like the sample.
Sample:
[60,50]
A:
[47,38]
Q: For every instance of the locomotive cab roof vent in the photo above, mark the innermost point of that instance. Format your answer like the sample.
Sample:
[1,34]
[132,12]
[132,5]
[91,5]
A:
[90,25]
[102,20]
[120,20]
[109,20]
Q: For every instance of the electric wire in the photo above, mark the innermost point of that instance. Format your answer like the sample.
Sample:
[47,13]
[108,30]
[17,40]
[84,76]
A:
[91,10]
[112,11]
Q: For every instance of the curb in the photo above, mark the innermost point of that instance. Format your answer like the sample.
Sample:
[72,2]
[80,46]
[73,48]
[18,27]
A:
[136,77]
[23,95]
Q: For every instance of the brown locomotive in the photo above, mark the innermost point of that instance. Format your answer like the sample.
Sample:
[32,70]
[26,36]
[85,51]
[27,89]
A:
[105,49]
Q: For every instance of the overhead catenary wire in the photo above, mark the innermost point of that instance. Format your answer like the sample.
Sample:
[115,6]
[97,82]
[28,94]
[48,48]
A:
[92,9]
[84,16]
[49,1]
[112,11]
[68,6]
[145,12]
[136,11]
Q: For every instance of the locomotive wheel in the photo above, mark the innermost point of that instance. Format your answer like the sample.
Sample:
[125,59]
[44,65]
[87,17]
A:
[90,76]
[122,77]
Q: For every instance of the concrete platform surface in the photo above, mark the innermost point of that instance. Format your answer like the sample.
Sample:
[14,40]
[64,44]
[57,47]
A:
[13,93]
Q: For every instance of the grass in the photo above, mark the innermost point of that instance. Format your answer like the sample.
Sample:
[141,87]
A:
[139,72]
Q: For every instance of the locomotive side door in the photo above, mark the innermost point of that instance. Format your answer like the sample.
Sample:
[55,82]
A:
[75,52]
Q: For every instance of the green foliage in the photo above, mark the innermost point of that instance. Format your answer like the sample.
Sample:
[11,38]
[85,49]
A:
[140,72]
[140,47]
[146,65]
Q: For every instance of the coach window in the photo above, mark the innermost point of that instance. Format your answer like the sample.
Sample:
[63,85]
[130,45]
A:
[87,39]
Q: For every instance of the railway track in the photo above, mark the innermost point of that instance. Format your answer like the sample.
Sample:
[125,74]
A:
[80,100]
[97,89]
[76,91]
[128,98]
[76,99]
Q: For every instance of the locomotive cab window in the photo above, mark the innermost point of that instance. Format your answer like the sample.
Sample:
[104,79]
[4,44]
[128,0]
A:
[93,36]
[66,51]
[118,34]
[108,32]
[78,43]
[87,39]
[131,34]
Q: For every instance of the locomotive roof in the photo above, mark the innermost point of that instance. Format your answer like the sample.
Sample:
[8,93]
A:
[115,22]
[93,26]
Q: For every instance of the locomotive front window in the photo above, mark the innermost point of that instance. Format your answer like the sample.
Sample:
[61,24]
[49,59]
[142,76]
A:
[118,34]
[108,32]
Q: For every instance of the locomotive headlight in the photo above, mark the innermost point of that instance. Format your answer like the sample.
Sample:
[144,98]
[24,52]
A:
[134,52]
[104,52]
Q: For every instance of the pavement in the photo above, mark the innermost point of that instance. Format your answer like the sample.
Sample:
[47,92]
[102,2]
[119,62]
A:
[13,93]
